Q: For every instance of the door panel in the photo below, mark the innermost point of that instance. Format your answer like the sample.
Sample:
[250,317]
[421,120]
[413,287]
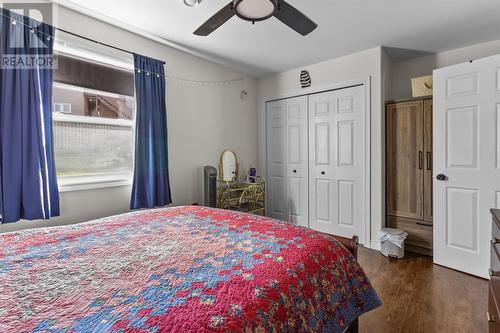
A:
[322,143]
[276,159]
[462,149]
[295,198]
[346,202]
[349,163]
[297,161]
[462,85]
[461,218]
[498,135]
[277,188]
[498,79]
[321,199]
[465,152]
[345,130]
[405,159]
[323,202]
[337,162]
[428,160]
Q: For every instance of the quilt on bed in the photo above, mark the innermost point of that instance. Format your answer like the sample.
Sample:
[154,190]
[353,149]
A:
[182,269]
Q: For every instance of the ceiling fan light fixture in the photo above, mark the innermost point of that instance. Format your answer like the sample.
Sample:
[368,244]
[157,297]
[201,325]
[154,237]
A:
[255,10]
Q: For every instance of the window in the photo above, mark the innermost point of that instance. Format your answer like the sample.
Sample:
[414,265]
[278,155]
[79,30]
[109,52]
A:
[93,116]
[62,107]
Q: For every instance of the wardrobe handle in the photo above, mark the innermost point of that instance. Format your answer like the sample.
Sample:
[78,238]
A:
[425,224]
[429,156]
[420,160]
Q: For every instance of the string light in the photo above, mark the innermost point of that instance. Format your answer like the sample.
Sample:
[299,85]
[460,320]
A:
[204,83]
[171,78]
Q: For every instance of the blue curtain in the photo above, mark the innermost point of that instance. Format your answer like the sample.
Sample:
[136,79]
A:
[151,187]
[28,185]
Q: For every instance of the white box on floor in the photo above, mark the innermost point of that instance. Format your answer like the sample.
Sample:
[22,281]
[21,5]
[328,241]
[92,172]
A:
[393,242]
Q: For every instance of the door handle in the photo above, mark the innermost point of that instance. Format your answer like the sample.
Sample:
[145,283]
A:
[490,317]
[322,172]
[294,171]
[429,160]
[441,177]
[420,160]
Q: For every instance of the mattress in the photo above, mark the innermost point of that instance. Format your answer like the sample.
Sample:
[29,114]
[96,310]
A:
[181,269]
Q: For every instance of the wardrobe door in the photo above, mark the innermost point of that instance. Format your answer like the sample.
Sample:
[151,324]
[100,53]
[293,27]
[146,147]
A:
[276,167]
[297,161]
[405,159]
[321,152]
[428,160]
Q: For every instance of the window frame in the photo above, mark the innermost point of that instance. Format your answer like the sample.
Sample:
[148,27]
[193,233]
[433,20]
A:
[91,182]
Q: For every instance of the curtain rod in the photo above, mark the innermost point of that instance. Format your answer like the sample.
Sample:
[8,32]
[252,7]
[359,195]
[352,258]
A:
[77,35]
[97,42]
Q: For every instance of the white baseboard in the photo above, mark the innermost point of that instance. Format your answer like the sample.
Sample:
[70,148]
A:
[375,245]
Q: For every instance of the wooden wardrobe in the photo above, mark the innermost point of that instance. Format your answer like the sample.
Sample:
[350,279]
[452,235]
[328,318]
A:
[409,171]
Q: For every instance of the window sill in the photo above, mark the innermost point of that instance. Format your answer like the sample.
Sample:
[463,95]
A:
[69,184]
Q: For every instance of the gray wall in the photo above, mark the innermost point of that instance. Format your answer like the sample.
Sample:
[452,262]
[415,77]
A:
[404,71]
[202,122]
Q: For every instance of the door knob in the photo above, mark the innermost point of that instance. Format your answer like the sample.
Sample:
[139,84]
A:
[294,171]
[322,172]
[441,177]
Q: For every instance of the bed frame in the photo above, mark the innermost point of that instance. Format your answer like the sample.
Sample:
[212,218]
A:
[352,246]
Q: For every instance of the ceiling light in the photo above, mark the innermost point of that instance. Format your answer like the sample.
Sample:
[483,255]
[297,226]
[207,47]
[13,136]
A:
[255,10]
[192,3]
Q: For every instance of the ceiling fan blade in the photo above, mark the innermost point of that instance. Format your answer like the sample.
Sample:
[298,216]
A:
[293,18]
[221,17]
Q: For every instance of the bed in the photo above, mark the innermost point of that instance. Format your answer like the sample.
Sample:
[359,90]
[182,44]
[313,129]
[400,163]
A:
[181,269]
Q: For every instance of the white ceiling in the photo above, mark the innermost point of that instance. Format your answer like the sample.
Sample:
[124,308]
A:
[345,26]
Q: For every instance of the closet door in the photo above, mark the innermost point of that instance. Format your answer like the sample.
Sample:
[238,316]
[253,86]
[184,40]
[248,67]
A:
[276,168]
[349,162]
[337,162]
[297,161]
[405,159]
[321,151]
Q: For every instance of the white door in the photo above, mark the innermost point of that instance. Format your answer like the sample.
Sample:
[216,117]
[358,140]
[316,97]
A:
[297,161]
[276,168]
[466,163]
[337,162]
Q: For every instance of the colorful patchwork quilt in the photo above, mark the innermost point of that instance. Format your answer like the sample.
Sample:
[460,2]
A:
[182,269]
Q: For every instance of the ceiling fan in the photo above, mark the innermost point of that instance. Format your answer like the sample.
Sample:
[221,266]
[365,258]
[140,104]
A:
[259,10]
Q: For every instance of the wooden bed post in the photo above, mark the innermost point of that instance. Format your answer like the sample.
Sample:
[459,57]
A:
[350,244]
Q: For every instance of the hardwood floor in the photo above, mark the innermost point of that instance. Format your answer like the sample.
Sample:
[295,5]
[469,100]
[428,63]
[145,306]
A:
[421,297]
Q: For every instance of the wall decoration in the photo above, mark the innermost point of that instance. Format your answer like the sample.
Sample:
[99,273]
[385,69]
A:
[305,79]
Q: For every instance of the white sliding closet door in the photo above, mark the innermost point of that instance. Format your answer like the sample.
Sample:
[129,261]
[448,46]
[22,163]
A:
[297,160]
[466,163]
[276,168]
[337,162]
[321,151]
